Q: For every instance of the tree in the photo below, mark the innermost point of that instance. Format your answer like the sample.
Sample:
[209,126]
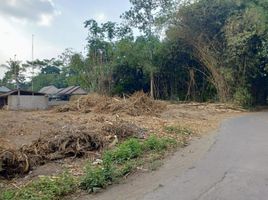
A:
[146,15]
[14,72]
[228,38]
[97,67]
[48,72]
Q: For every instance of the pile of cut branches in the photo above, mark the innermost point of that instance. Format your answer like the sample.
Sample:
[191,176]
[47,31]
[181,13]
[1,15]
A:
[57,145]
[136,105]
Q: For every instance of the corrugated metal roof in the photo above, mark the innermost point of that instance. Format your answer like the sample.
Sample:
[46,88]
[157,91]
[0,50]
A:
[22,92]
[4,89]
[49,90]
[70,90]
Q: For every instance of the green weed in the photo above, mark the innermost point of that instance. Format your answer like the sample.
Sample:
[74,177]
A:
[46,188]
[178,130]
[129,149]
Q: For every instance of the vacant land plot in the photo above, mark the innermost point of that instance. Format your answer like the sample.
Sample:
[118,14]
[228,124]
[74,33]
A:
[48,142]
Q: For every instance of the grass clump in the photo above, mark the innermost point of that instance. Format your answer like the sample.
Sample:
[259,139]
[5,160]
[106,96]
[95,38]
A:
[122,160]
[177,130]
[95,178]
[46,188]
[155,144]
[128,150]
[116,163]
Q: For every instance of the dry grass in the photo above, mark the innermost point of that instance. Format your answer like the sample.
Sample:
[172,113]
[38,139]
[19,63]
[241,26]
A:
[136,105]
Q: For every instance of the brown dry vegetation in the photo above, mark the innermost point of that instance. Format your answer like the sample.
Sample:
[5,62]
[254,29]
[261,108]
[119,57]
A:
[136,105]
[56,139]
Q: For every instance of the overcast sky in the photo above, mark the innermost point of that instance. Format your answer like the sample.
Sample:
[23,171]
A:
[56,25]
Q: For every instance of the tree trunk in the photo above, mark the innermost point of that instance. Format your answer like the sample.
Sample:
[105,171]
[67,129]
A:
[152,85]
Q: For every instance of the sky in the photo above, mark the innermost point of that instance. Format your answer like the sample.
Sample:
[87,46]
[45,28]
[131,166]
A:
[55,24]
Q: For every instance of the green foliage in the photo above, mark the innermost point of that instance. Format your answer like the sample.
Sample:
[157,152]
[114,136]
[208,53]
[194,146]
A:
[127,167]
[157,144]
[95,177]
[101,177]
[210,48]
[120,161]
[242,97]
[14,74]
[228,39]
[46,188]
[154,144]
[127,150]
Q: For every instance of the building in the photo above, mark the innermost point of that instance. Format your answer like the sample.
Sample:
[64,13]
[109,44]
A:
[63,94]
[49,90]
[66,93]
[27,100]
[4,89]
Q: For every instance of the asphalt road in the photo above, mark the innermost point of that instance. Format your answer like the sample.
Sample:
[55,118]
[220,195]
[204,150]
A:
[234,168]
[229,165]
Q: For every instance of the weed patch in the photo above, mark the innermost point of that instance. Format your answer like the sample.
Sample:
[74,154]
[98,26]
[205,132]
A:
[117,163]
[45,188]
[178,130]
[121,161]
[130,149]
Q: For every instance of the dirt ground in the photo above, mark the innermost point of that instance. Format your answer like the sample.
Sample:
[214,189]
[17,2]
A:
[18,128]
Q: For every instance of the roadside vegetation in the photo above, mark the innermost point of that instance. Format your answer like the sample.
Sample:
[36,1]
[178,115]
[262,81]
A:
[114,165]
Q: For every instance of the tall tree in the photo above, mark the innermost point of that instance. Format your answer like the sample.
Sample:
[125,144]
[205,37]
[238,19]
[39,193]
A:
[146,15]
[14,72]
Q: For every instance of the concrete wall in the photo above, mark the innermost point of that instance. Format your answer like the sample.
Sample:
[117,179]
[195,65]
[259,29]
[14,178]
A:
[57,103]
[27,102]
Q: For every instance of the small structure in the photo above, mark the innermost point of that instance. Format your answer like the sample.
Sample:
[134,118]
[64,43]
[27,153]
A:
[66,93]
[63,94]
[49,90]
[4,89]
[24,100]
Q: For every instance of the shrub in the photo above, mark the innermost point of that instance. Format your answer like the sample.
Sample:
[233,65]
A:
[242,97]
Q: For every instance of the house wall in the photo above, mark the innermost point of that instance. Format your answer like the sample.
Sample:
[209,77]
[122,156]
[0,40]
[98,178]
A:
[27,102]
[57,103]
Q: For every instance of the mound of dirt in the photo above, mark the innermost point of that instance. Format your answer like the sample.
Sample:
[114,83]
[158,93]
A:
[136,105]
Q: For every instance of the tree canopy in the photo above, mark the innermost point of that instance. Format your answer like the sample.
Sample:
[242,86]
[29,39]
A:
[201,50]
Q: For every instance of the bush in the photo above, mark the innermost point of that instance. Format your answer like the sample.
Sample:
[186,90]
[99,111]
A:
[242,97]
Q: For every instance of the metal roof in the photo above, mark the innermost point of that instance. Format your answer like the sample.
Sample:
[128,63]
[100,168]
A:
[71,90]
[4,89]
[22,92]
[49,90]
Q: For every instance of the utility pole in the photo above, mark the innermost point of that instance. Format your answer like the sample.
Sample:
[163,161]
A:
[32,63]
[17,81]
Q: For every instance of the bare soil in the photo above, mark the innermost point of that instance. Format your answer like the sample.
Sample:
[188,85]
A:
[18,128]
